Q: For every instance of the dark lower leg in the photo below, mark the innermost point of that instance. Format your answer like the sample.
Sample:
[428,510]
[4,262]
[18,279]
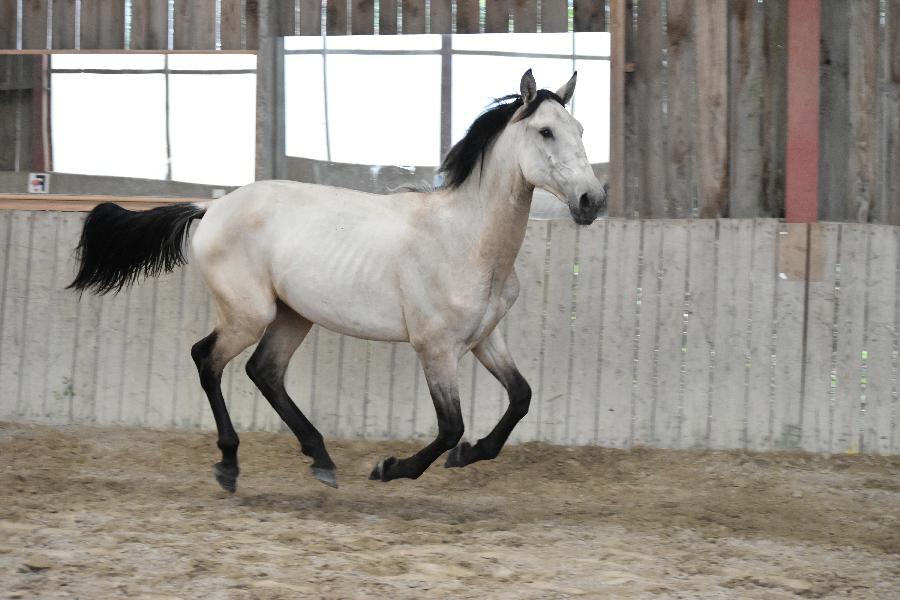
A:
[227,471]
[450,430]
[490,445]
[268,376]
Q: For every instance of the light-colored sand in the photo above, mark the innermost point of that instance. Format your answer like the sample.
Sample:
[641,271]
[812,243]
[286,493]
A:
[103,513]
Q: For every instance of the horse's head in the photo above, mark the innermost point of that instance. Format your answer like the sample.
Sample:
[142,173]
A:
[551,153]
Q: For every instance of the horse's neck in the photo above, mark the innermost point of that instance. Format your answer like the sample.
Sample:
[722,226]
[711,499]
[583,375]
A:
[497,202]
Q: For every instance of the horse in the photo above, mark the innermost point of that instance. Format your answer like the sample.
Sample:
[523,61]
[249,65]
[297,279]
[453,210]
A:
[431,268]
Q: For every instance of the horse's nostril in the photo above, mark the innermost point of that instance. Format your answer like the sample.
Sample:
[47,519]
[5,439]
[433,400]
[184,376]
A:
[584,202]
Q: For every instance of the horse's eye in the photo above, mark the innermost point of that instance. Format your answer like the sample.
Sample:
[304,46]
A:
[546,133]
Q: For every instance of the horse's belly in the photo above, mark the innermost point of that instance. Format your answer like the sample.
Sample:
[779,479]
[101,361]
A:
[356,310]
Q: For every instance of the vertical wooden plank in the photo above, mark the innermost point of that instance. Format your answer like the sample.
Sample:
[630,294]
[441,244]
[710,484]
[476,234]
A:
[102,24]
[310,17]
[404,402]
[525,321]
[230,25]
[681,56]
[325,407]
[34,24]
[613,424]
[731,341]
[63,405]
[36,325]
[112,343]
[441,18]
[363,17]
[880,340]
[711,30]
[801,181]
[554,402]
[863,79]
[645,396]
[353,387]
[851,299]
[588,332]
[746,23]
[188,399]
[822,318]
[150,23]
[162,382]
[16,263]
[668,412]
[617,156]
[336,17]
[8,24]
[496,18]
[700,301]
[525,16]
[554,16]
[648,83]
[283,17]
[378,407]
[134,402]
[758,409]
[413,16]
[789,331]
[64,23]
[834,126]
[251,24]
[590,15]
[387,17]
[775,107]
[467,17]
[195,25]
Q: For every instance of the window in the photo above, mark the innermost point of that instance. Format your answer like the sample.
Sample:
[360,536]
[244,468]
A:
[183,117]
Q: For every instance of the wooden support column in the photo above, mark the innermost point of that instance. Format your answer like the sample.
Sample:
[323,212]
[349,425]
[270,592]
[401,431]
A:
[802,170]
[616,201]
[40,113]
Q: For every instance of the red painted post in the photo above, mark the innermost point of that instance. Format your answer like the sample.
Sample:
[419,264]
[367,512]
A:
[802,168]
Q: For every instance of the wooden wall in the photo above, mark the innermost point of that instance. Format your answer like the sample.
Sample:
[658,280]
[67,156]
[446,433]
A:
[706,106]
[731,333]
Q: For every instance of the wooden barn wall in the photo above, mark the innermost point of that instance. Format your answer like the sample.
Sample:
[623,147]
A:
[729,333]
[706,108]
[197,25]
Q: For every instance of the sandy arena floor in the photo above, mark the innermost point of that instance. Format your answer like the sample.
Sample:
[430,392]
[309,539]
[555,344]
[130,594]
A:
[107,513]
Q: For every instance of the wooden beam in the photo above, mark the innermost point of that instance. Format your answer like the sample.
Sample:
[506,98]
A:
[711,34]
[68,202]
[680,179]
[40,114]
[616,200]
[802,180]
[648,82]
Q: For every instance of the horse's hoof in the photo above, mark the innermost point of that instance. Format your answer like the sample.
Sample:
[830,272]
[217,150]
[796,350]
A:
[326,476]
[226,478]
[380,472]
[455,456]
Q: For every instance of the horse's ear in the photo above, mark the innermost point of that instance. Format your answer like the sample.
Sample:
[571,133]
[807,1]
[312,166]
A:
[528,87]
[567,91]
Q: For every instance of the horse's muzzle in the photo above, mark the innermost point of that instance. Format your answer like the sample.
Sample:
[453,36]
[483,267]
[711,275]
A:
[590,205]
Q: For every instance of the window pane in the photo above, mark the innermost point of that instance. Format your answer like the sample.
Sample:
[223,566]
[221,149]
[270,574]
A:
[213,128]
[591,107]
[384,110]
[304,107]
[109,124]
[477,80]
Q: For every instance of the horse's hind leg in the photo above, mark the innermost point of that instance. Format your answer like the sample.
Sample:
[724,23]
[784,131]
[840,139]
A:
[494,355]
[234,332]
[267,367]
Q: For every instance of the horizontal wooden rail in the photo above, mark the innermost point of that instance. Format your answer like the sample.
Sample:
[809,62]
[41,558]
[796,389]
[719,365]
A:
[79,203]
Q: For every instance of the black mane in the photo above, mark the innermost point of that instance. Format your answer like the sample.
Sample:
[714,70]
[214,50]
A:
[461,160]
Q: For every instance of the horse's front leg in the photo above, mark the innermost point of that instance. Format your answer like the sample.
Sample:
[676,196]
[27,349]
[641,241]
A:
[494,355]
[440,372]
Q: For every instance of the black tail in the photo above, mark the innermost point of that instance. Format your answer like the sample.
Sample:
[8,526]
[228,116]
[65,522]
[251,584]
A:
[118,246]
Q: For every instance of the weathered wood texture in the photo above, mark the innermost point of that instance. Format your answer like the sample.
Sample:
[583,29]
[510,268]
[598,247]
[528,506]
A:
[665,333]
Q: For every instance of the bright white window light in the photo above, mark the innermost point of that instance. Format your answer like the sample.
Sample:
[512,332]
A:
[109,124]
